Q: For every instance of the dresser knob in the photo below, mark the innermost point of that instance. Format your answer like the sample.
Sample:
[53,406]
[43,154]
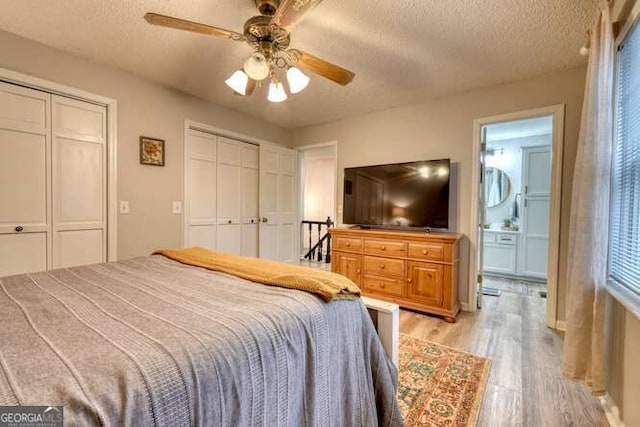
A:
[424,252]
[381,285]
[348,244]
[382,266]
[358,271]
[383,248]
[409,280]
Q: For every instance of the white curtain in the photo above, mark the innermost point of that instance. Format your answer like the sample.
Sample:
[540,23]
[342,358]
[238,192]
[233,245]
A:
[583,355]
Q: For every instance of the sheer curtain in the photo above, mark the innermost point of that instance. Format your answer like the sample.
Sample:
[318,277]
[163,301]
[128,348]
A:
[583,355]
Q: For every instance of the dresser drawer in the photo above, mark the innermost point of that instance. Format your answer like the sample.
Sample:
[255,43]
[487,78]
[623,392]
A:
[427,251]
[352,244]
[385,248]
[383,266]
[384,285]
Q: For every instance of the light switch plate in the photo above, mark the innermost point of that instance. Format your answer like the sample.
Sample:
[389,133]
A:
[124,207]
[177,207]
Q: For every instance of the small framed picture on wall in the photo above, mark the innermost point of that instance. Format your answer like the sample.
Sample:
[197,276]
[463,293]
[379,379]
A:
[151,151]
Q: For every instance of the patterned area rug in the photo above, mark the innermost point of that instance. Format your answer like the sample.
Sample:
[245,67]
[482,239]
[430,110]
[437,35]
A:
[438,385]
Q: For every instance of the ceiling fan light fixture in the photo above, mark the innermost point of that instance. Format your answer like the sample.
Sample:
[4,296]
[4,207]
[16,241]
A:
[276,92]
[238,82]
[257,67]
[298,81]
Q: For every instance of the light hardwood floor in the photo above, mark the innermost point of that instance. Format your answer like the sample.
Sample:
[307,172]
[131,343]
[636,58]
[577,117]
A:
[525,387]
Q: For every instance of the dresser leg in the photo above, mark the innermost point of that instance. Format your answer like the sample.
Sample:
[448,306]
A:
[449,319]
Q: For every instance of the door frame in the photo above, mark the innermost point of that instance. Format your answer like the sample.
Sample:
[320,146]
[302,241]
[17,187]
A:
[213,130]
[300,152]
[558,112]
[13,77]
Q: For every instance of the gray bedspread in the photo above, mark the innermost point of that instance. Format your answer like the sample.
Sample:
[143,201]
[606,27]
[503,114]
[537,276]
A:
[149,341]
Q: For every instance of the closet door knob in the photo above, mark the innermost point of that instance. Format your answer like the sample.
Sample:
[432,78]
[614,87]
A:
[18,228]
[265,219]
[229,221]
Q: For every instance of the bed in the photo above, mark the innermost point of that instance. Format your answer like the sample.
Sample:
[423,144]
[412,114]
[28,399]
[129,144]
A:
[151,341]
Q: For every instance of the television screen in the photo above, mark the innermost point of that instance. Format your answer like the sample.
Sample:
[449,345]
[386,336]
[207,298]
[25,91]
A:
[412,194]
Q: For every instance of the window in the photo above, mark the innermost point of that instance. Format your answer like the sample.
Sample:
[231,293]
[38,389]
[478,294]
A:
[624,252]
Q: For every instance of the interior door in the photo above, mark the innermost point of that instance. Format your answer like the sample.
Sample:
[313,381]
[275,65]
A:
[229,196]
[277,203]
[79,186]
[200,189]
[25,187]
[536,180]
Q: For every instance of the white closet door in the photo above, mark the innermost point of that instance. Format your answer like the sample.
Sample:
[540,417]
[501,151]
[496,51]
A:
[277,203]
[229,196]
[536,176]
[200,189]
[250,184]
[25,192]
[79,166]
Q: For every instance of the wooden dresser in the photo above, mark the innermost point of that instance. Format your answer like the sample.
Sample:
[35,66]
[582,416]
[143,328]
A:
[414,269]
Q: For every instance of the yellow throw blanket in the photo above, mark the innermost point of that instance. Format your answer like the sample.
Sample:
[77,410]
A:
[328,286]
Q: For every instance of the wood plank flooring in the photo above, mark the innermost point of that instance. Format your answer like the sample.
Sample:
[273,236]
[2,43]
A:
[526,386]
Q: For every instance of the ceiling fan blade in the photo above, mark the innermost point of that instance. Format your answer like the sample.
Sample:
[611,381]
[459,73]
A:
[194,27]
[321,67]
[251,86]
[290,12]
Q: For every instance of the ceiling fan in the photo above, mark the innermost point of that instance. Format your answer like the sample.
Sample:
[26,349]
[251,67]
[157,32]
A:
[268,34]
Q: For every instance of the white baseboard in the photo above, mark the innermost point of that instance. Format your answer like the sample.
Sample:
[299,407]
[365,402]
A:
[611,411]
[464,306]
[561,325]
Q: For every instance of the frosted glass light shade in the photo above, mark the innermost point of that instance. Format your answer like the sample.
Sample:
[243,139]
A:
[257,67]
[238,82]
[276,92]
[297,80]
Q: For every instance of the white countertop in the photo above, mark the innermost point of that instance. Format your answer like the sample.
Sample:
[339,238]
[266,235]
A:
[495,230]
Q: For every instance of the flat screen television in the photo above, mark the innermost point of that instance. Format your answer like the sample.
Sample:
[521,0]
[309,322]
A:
[405,195]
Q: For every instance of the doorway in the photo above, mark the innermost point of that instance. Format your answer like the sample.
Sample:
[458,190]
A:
[519,160]
[318,172]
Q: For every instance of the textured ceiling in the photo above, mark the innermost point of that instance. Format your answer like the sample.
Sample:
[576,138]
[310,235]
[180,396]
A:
[401,51]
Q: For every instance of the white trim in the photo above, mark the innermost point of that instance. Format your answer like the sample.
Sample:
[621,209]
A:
[20,79]
[611,411]
[561,325]
[557,111]
[464,306]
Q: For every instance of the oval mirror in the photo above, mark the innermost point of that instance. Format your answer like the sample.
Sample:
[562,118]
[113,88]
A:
[497,187]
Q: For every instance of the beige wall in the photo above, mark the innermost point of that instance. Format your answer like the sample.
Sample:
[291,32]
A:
[444,128]
[144,108]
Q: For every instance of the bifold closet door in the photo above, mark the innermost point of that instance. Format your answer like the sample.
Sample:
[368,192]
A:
[250,184]
[277,203]
[25,187]
[201,179]
[229,196]
[79,185]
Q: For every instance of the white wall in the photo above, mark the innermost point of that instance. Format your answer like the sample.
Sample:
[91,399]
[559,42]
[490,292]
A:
[443,128]
[144,108]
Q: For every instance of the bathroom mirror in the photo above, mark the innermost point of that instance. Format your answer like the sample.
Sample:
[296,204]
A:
[497,187]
